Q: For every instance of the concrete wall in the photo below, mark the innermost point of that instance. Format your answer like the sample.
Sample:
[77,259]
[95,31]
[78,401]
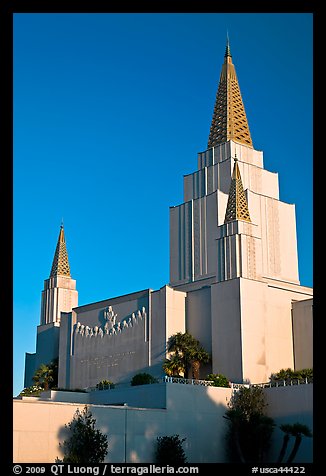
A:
[226,330]
[105,340]
[47,343]
[115,357]
[291,404]
[95,345]
[302,321]
[193,412]
[198,316]
[167,318]
[199,321]
[138,396]
[30,367]
[252,328]
[47,349]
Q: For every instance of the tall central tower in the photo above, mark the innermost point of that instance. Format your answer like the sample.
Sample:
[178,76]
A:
[233,248]
[210,239]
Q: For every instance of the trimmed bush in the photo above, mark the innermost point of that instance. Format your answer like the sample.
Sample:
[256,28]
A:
[33,391]
[219,380]
[143,379]
[289,374]
[105,385]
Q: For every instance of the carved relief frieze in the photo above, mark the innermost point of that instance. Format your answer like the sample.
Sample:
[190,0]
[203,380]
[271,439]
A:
[112,326]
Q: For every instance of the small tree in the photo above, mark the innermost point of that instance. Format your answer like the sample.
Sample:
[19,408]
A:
[169,450]
[85,444]
[143,379]
[174,366]
[250,429]
[187,354]
[218,380]
[46,376]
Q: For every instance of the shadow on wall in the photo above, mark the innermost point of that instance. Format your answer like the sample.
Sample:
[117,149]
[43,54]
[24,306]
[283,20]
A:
[195,413]
[289,405]
[191,413]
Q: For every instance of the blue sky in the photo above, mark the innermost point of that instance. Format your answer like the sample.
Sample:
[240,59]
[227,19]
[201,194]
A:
[110,111]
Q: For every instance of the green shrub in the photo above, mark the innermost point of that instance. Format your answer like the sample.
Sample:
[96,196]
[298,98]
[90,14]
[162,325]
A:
[105,385]
[143,379]
[218,380]
[169,450]
[85,444]
[289,374]
[32,391]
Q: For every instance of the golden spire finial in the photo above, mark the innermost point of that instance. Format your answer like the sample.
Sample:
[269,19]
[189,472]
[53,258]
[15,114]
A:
[60,265]
[229,120]
[227,48]
[237,206]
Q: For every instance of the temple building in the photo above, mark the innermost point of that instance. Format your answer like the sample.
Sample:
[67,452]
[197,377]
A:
[234,281]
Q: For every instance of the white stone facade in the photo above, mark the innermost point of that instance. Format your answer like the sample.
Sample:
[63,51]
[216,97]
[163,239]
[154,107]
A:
[59,295]
[202,246]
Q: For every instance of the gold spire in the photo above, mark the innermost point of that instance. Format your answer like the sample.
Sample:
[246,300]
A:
[229,117]
[237,207]
[60,265]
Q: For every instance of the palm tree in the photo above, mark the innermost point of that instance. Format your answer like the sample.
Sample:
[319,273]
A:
[188,353]
[46,376]
[174,366]
[198,356]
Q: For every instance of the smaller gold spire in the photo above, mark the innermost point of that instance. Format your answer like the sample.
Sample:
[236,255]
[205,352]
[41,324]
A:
[237,206]
[60,265]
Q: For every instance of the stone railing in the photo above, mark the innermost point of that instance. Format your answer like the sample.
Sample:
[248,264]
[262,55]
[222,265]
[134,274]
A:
[284,383]
[187,381]
[210,383]
[237,386]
